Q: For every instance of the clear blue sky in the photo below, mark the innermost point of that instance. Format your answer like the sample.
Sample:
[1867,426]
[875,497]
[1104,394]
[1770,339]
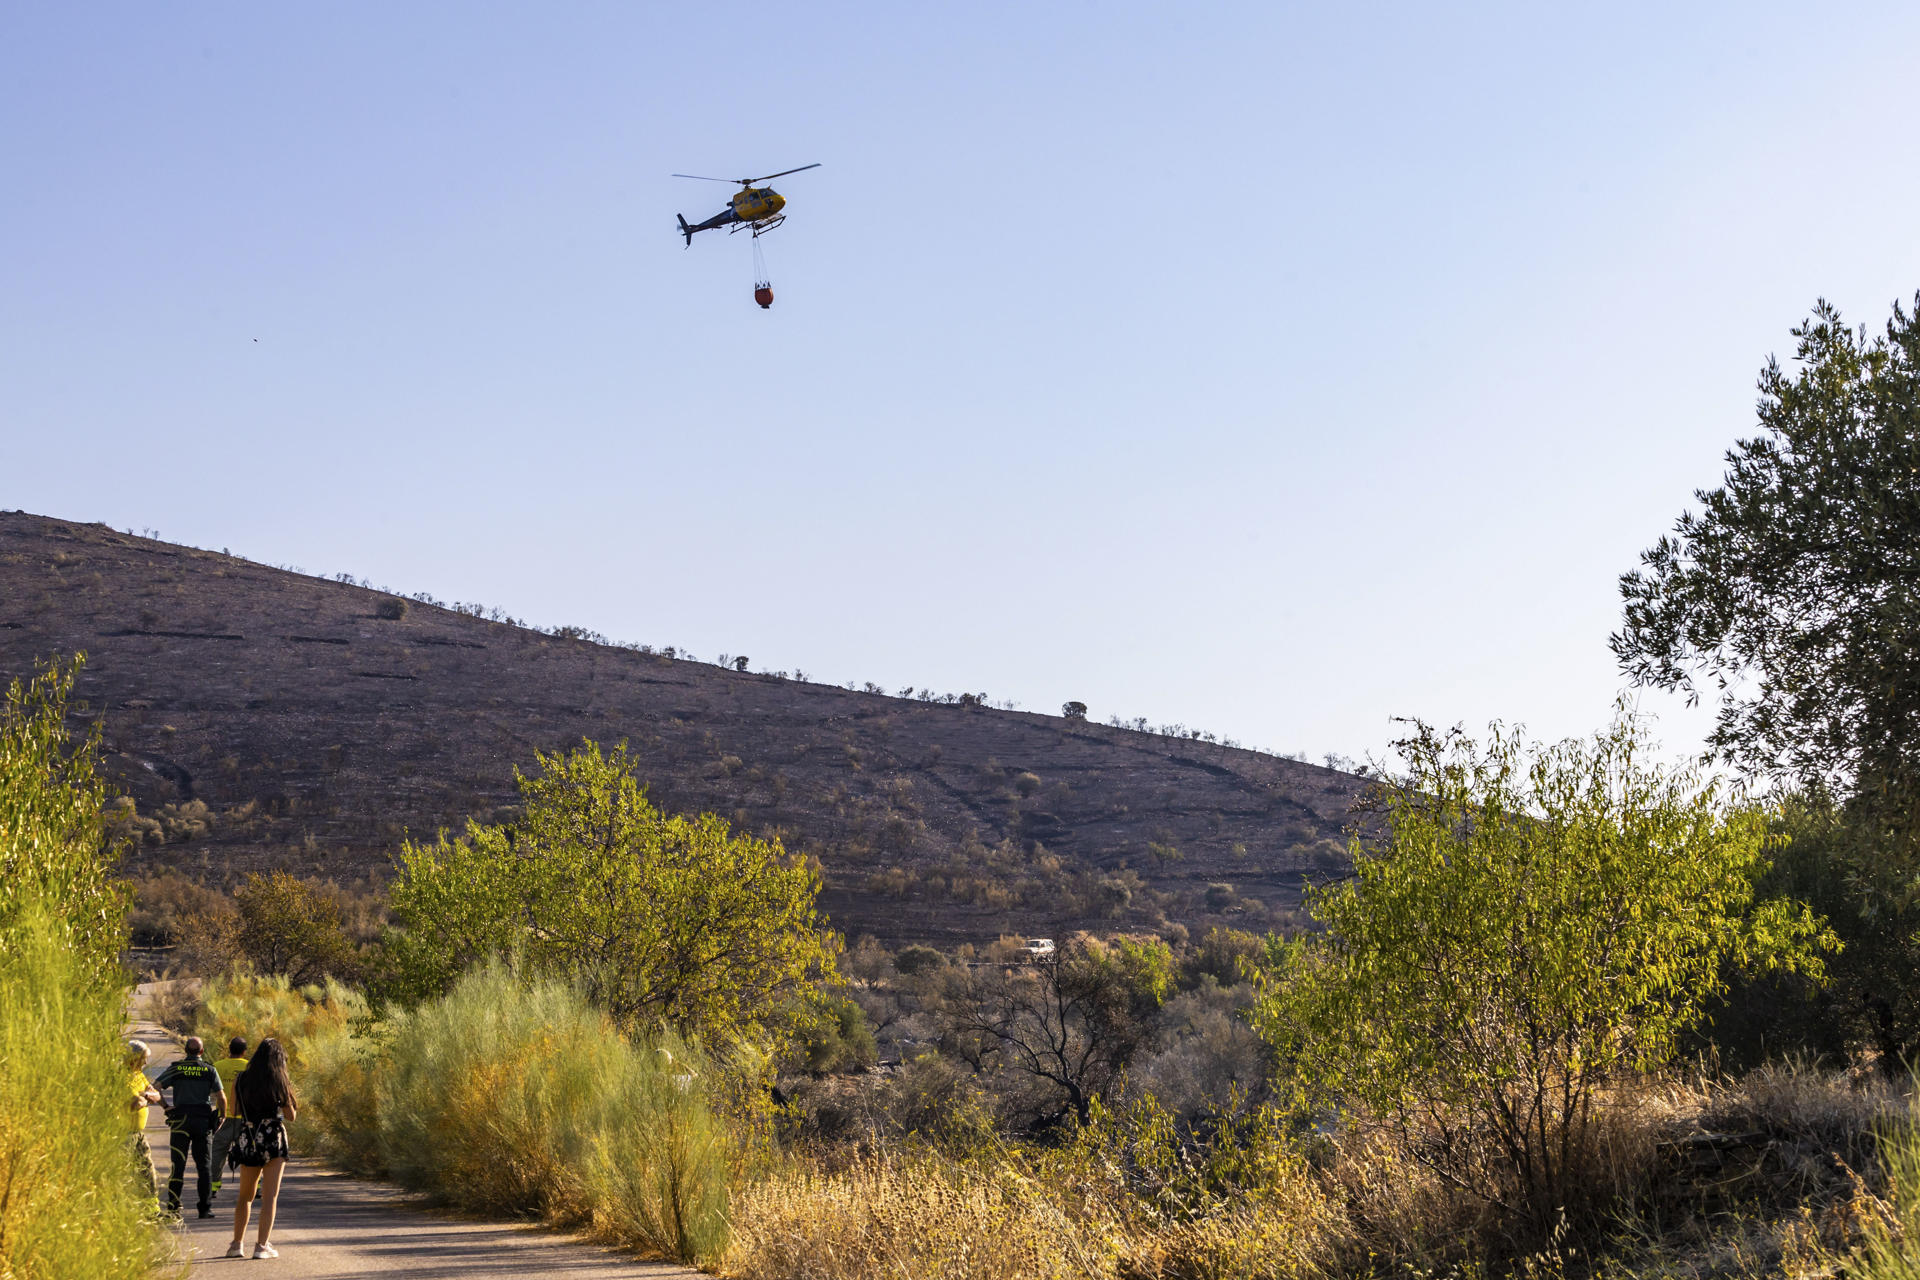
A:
[1273,369]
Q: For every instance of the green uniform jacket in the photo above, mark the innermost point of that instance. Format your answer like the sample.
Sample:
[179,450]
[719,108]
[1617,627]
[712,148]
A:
[194,1083]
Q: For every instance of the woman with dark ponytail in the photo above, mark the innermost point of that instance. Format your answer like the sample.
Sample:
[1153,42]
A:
[263,1097]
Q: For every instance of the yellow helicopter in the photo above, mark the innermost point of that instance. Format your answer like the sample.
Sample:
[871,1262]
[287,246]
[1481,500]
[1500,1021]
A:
[755,207]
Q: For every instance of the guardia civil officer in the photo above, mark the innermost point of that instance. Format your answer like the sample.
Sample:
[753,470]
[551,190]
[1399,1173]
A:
[195,1110]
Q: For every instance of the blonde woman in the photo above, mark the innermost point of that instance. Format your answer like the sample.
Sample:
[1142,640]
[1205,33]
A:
[141,1095]
[263,1098]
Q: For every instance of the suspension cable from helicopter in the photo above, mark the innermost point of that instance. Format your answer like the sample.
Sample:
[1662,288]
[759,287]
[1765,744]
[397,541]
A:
[762,286]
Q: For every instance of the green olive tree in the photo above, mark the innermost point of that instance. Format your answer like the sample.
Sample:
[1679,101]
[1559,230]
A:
[1535,924]
[663,920]
[1792,593]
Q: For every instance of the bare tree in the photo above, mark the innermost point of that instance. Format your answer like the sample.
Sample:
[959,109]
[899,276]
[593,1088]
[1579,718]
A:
[1070,1025]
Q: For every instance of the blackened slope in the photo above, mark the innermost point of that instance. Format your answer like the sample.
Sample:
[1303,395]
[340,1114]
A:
[235,684]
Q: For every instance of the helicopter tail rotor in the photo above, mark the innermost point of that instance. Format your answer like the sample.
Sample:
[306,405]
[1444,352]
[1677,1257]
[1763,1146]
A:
[685,230]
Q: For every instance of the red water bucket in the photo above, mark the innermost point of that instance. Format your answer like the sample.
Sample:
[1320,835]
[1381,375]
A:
[764,296]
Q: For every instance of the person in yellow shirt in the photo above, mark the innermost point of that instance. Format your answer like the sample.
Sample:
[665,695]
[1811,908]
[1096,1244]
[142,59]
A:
[229,1068]
[142,1095]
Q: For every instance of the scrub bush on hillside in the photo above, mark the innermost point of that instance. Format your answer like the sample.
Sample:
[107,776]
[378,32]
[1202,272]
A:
[1067,1028]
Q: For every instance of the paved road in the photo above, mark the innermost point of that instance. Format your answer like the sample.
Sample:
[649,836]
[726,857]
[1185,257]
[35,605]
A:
[330,1225]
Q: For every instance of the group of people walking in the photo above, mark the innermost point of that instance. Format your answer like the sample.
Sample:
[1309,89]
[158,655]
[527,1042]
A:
[227,1114]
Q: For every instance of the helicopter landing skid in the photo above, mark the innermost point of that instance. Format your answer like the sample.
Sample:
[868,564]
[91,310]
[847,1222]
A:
[759,228]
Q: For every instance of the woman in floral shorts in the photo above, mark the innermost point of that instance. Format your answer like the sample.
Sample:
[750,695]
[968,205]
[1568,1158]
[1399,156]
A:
[264,1102]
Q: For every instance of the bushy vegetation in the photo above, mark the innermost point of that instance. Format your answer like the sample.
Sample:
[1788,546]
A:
[1536,924]
[255,1007]
[665,921]
[281,925]
[509,1094]
[305,929]
[69,1206]
[55,858]
[68,1203]
[165,906]
[1775,1173]
[839,1040]
[1062,1031]
[171,824]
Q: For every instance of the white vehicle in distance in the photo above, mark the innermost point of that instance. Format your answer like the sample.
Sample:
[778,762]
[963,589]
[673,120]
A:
[1039,948]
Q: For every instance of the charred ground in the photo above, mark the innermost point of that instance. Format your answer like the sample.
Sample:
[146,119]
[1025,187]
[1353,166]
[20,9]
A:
[262,718]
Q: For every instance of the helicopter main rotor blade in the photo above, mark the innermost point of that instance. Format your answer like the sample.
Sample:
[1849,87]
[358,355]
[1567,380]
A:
[784,172]
[697,177]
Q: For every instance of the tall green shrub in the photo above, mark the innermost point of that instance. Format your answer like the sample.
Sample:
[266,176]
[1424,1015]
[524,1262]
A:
[54,854]
[68,1205]
[516,1096]
[656,1156]
[69,1209]
[662,920]
[1537,923]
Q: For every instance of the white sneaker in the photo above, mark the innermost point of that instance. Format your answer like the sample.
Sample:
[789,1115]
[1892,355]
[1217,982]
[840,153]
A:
[265,1251]
[236,1250]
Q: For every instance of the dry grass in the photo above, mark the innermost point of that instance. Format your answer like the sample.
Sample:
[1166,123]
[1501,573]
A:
[1126,1200]
[1891,1247]
[1007,1217]
[1781,1173]
[911,1214]
[1839,1110]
